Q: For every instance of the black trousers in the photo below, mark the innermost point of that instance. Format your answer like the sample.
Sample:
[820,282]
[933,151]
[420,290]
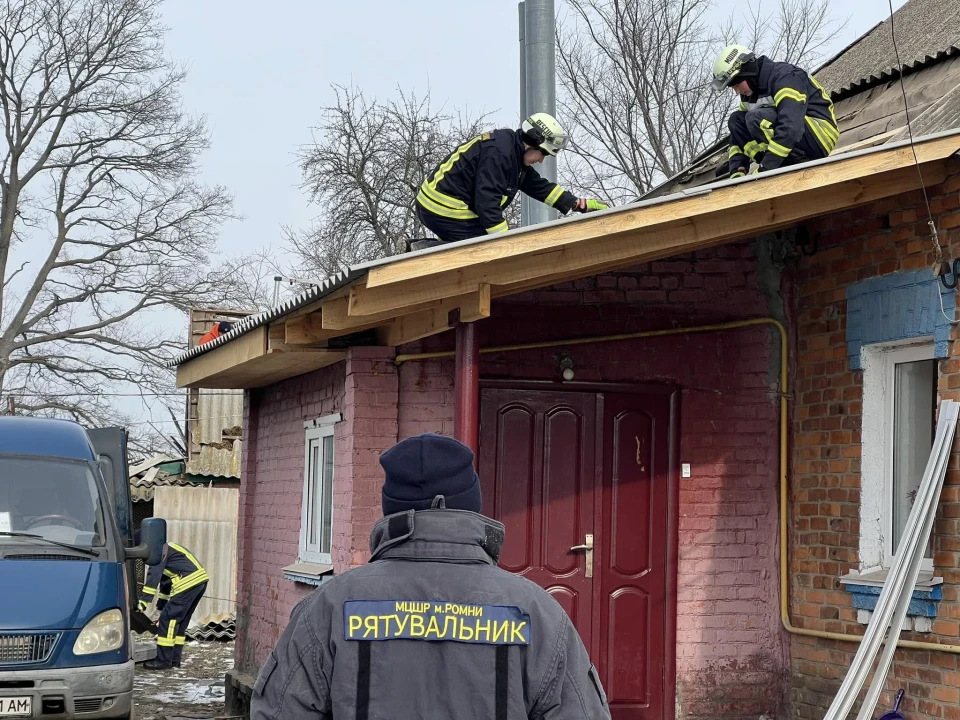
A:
[174,620]
[448,229]
[751,130]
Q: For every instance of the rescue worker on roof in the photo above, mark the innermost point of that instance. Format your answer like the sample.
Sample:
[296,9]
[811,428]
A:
[466,195]
[785,115]
[431,627]
[179,582]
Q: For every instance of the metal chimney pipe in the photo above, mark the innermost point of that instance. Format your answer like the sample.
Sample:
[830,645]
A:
[524,200]
[539,67]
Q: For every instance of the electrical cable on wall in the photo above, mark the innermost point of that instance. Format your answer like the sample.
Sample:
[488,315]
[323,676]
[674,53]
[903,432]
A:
[941,267]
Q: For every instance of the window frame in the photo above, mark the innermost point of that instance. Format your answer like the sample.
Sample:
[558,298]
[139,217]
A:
[892,357]
[317,430]
[878,423]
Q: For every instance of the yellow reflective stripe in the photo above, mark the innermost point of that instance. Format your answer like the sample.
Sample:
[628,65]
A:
[190,557]
[149,590]
[190,581]
[169,573]
[503,200]
[825,133]
[789,93]
[498,228]
[778,149]
[448,165]
[169,639]
[439,197]
[743,107]
[443,210]
[828,130]
[826,97]
[753,148]
[734,151]
[767,127]
[180,640]
[554,195]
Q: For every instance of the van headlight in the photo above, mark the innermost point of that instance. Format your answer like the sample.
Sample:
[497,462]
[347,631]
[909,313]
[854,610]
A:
[102,634]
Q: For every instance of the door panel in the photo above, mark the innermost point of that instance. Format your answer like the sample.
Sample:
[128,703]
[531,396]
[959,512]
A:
[556,466]
[631,575]
[537,475]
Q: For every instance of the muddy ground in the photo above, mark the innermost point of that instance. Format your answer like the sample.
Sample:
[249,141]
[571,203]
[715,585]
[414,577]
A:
[194,690]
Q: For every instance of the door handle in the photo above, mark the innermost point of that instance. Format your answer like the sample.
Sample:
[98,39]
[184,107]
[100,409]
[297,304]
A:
[588,548]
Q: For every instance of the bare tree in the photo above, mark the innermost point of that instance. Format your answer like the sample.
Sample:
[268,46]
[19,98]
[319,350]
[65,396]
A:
[635,87]
[363,170]
[103,225]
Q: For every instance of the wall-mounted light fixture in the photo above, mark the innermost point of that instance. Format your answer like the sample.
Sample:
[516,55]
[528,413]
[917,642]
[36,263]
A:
[565,365]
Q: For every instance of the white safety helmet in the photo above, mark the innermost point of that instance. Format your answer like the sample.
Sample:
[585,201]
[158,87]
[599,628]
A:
[544,132]
[728,64]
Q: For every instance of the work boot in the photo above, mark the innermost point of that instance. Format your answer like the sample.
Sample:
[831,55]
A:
[176,663]
[156,665]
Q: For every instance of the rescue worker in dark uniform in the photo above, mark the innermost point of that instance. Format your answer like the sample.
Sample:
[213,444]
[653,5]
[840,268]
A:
[179,582]
[785,115]
[431,627]
[466,195]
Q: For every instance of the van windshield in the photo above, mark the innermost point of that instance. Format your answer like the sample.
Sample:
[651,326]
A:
[56,499]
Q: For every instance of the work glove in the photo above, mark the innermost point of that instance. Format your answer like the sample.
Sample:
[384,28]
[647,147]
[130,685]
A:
[585,205]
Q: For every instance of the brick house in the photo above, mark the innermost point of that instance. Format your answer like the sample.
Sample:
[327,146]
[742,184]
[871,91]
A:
[722,389]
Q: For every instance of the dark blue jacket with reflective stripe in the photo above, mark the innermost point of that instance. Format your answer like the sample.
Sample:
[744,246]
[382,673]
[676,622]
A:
[179,570]
[430,628]
[797,96]
[482,177]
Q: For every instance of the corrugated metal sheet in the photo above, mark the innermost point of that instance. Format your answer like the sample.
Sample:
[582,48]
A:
[217,461]
[223,629]
[204,520]
[324,288]
[217,410]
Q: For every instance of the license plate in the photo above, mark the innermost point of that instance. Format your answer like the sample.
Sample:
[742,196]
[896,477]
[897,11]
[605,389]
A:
[16,706]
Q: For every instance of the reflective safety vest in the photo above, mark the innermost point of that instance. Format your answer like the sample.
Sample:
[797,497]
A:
[177,572]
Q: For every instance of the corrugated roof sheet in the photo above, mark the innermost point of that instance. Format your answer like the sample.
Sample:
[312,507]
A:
[926,30]
[204,520]
[217,410]
[217,461]
[324,288]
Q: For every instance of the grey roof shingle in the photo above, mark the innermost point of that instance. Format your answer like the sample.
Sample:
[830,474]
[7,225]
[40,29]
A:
[924,29]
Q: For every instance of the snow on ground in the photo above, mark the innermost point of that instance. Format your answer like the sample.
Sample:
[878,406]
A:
[194,690]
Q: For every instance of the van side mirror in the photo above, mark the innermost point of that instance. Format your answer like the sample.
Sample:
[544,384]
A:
[153,536]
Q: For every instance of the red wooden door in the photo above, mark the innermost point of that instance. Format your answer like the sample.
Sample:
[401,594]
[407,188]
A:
[537,474]
[631,579]
[557,466]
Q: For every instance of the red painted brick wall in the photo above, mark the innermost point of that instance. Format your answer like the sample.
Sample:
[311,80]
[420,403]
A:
[732,654]
[885,237]
[364,391]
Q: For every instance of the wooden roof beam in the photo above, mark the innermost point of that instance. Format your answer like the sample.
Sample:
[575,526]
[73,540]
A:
[591,228]
[671,238]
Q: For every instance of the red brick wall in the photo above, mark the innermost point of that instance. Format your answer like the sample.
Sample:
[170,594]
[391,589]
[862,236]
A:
[364,391]
[885,237]
[732,655]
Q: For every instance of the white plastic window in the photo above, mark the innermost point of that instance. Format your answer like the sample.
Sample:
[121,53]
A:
[899,418]
[316,519]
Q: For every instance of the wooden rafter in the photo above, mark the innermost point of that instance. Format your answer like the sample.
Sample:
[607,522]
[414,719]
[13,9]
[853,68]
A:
[411,298]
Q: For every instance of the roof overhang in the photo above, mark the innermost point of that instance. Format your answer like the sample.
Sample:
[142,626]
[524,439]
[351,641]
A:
[409,297]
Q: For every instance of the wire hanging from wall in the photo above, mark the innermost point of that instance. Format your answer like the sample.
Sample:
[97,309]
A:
[941,267]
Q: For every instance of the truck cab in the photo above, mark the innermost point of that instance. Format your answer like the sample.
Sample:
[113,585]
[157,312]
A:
[66,571]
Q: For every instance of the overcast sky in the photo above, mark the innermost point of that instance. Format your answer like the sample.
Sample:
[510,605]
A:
[261,72]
